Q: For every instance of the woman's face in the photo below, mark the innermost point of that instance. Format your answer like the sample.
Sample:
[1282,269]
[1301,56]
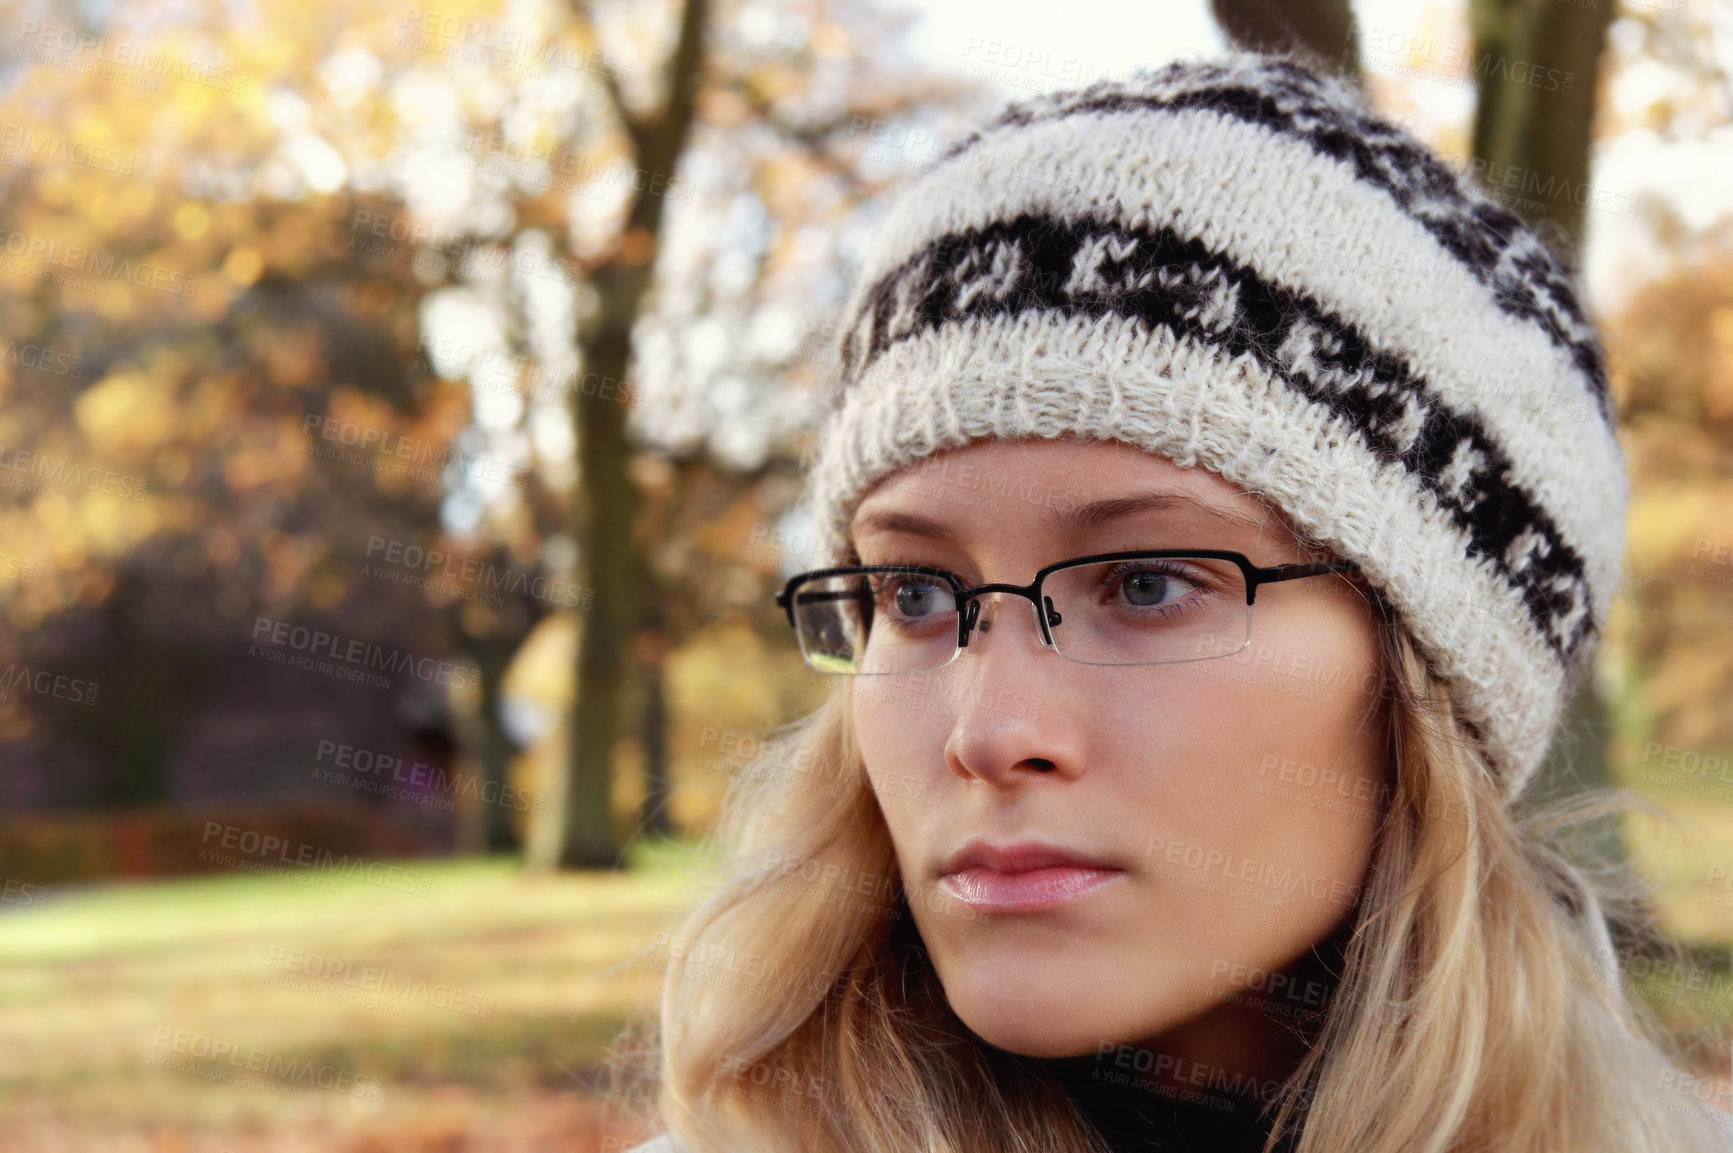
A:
[1232,800]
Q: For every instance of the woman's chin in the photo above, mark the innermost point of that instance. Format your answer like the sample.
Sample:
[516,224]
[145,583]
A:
[1027,1037]
[1037,1017]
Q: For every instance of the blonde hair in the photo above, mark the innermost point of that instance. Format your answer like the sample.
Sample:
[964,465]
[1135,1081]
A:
[800,1013]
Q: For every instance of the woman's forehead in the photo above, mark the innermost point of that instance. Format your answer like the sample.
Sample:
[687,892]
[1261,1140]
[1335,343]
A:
[1080,482]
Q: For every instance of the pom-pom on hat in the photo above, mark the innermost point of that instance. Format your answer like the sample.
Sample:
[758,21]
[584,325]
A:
[1237,265]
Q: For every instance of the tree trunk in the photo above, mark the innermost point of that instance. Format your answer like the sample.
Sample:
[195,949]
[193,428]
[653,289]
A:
[498,834]
[1320,31]
[1536,70]
[603,505]
[653,817]
[604,502]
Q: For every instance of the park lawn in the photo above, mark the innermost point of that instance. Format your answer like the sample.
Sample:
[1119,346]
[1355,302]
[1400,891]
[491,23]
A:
[547,969]
[89,982]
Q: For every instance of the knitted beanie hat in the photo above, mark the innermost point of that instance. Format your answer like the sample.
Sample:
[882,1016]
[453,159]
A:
[1236,265]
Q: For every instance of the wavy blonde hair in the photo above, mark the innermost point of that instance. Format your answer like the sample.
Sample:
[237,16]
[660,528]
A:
[801,1014]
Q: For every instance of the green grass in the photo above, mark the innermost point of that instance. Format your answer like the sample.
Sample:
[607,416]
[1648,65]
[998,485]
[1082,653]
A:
[544,969]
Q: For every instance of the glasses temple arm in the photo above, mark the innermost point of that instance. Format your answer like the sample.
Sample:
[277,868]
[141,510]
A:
[1284,572]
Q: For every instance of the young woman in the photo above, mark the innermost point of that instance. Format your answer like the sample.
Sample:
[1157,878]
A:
[1222,502]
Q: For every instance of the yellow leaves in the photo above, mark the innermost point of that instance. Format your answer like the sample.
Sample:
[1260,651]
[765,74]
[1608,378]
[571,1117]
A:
[110,527]
[1721,329]
[126,410]
[1718,381]
[244,266]
[250,467]
[777,82]
[173,466]
[1667,521]
[192,220]
[97,200]
[541,671]
[59,188]
[71,528]
[136,204]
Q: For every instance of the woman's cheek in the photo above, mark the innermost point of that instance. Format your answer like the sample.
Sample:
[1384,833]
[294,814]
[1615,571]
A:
[902,745]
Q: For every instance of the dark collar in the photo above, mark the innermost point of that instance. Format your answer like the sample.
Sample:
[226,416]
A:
[1137,1119]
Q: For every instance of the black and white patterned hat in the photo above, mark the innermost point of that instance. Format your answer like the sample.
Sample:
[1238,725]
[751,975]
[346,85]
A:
[1236,265]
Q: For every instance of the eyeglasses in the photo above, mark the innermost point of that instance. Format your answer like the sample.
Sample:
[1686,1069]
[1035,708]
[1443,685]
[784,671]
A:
[1164,606]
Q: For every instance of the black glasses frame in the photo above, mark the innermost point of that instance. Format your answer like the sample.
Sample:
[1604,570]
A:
[968,599]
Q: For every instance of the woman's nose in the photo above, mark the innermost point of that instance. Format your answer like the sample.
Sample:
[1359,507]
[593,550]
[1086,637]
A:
[989,609]
[1008,718]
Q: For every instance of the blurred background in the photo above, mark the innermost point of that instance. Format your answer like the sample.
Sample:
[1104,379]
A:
[401,418]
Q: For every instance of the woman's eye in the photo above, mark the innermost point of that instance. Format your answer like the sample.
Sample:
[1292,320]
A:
[918,599]
[1149,589]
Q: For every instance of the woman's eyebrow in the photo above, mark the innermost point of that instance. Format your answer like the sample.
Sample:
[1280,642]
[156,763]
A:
[1101,511]
[914,524]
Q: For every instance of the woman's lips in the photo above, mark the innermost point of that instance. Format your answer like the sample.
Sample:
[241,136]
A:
[990,891]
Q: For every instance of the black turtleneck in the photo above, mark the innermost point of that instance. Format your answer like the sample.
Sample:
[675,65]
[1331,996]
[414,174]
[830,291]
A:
[1137,1118]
